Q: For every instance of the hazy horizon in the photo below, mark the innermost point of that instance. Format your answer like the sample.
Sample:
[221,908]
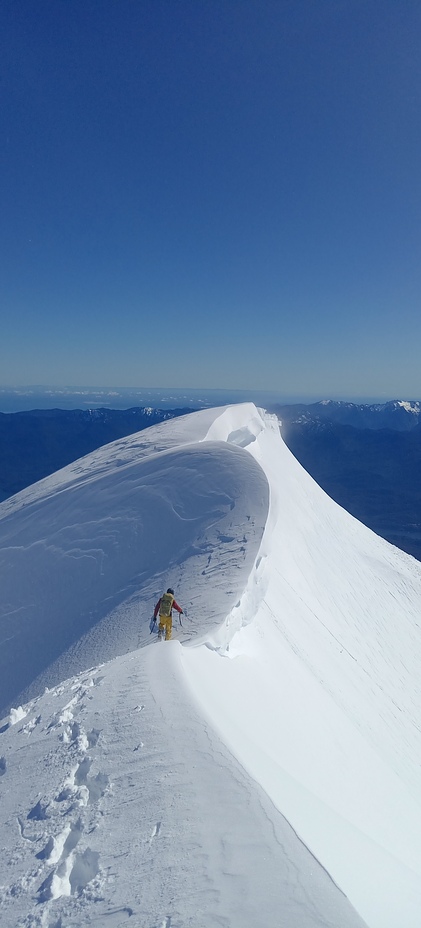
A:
[24,398]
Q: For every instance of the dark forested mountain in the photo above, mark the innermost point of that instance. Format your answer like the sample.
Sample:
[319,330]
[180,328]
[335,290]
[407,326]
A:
[399,415]
[371,470]
[35,444]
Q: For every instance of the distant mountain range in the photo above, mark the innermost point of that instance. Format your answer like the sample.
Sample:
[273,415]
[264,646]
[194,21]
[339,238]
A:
[366,457]
[399,415]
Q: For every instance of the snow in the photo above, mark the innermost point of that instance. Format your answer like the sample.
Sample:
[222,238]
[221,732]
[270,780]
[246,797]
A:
[261,768]
[410,407]
[16,715]
[85,554]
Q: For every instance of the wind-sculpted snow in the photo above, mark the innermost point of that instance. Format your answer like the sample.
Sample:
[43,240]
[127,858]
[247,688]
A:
[328,635]
[232,780]
[83,566]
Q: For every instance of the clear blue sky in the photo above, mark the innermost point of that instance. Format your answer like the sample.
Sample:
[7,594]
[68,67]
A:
[212,193]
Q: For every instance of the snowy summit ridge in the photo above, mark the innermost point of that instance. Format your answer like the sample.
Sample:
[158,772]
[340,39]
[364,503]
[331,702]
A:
[263,767]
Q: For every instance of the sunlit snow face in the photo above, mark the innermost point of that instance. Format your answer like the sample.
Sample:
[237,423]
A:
[410,407]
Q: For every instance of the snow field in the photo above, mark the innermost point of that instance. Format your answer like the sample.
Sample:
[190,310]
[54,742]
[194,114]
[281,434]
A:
[154,788]
[120,803]
[333,648]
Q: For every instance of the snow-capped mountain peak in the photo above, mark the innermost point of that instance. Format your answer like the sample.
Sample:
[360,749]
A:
[413,408]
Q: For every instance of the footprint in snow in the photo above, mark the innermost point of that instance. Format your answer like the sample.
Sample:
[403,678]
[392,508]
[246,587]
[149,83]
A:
[93,736]
[39,812]
[71,876]
[59,848]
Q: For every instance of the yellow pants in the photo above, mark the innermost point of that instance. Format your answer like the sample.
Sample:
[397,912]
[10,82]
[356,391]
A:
[165,626]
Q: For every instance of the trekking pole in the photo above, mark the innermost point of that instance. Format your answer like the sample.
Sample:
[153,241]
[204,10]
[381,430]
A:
[179,616]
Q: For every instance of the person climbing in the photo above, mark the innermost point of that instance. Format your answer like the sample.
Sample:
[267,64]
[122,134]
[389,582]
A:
[164,607]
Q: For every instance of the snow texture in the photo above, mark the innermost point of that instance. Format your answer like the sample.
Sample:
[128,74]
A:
[260,769]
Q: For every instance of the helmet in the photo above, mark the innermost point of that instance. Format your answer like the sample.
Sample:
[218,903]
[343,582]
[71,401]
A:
[170,591]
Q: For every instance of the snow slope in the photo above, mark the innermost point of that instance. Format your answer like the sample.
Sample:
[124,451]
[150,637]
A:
[84,554]
[220,778]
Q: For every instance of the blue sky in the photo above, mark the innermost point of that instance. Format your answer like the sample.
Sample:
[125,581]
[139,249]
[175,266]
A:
[214,193]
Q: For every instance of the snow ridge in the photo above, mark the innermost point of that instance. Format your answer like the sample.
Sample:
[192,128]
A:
[245,776]
[85,556]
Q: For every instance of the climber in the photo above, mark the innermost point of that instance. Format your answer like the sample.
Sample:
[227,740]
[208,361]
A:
[164,608]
